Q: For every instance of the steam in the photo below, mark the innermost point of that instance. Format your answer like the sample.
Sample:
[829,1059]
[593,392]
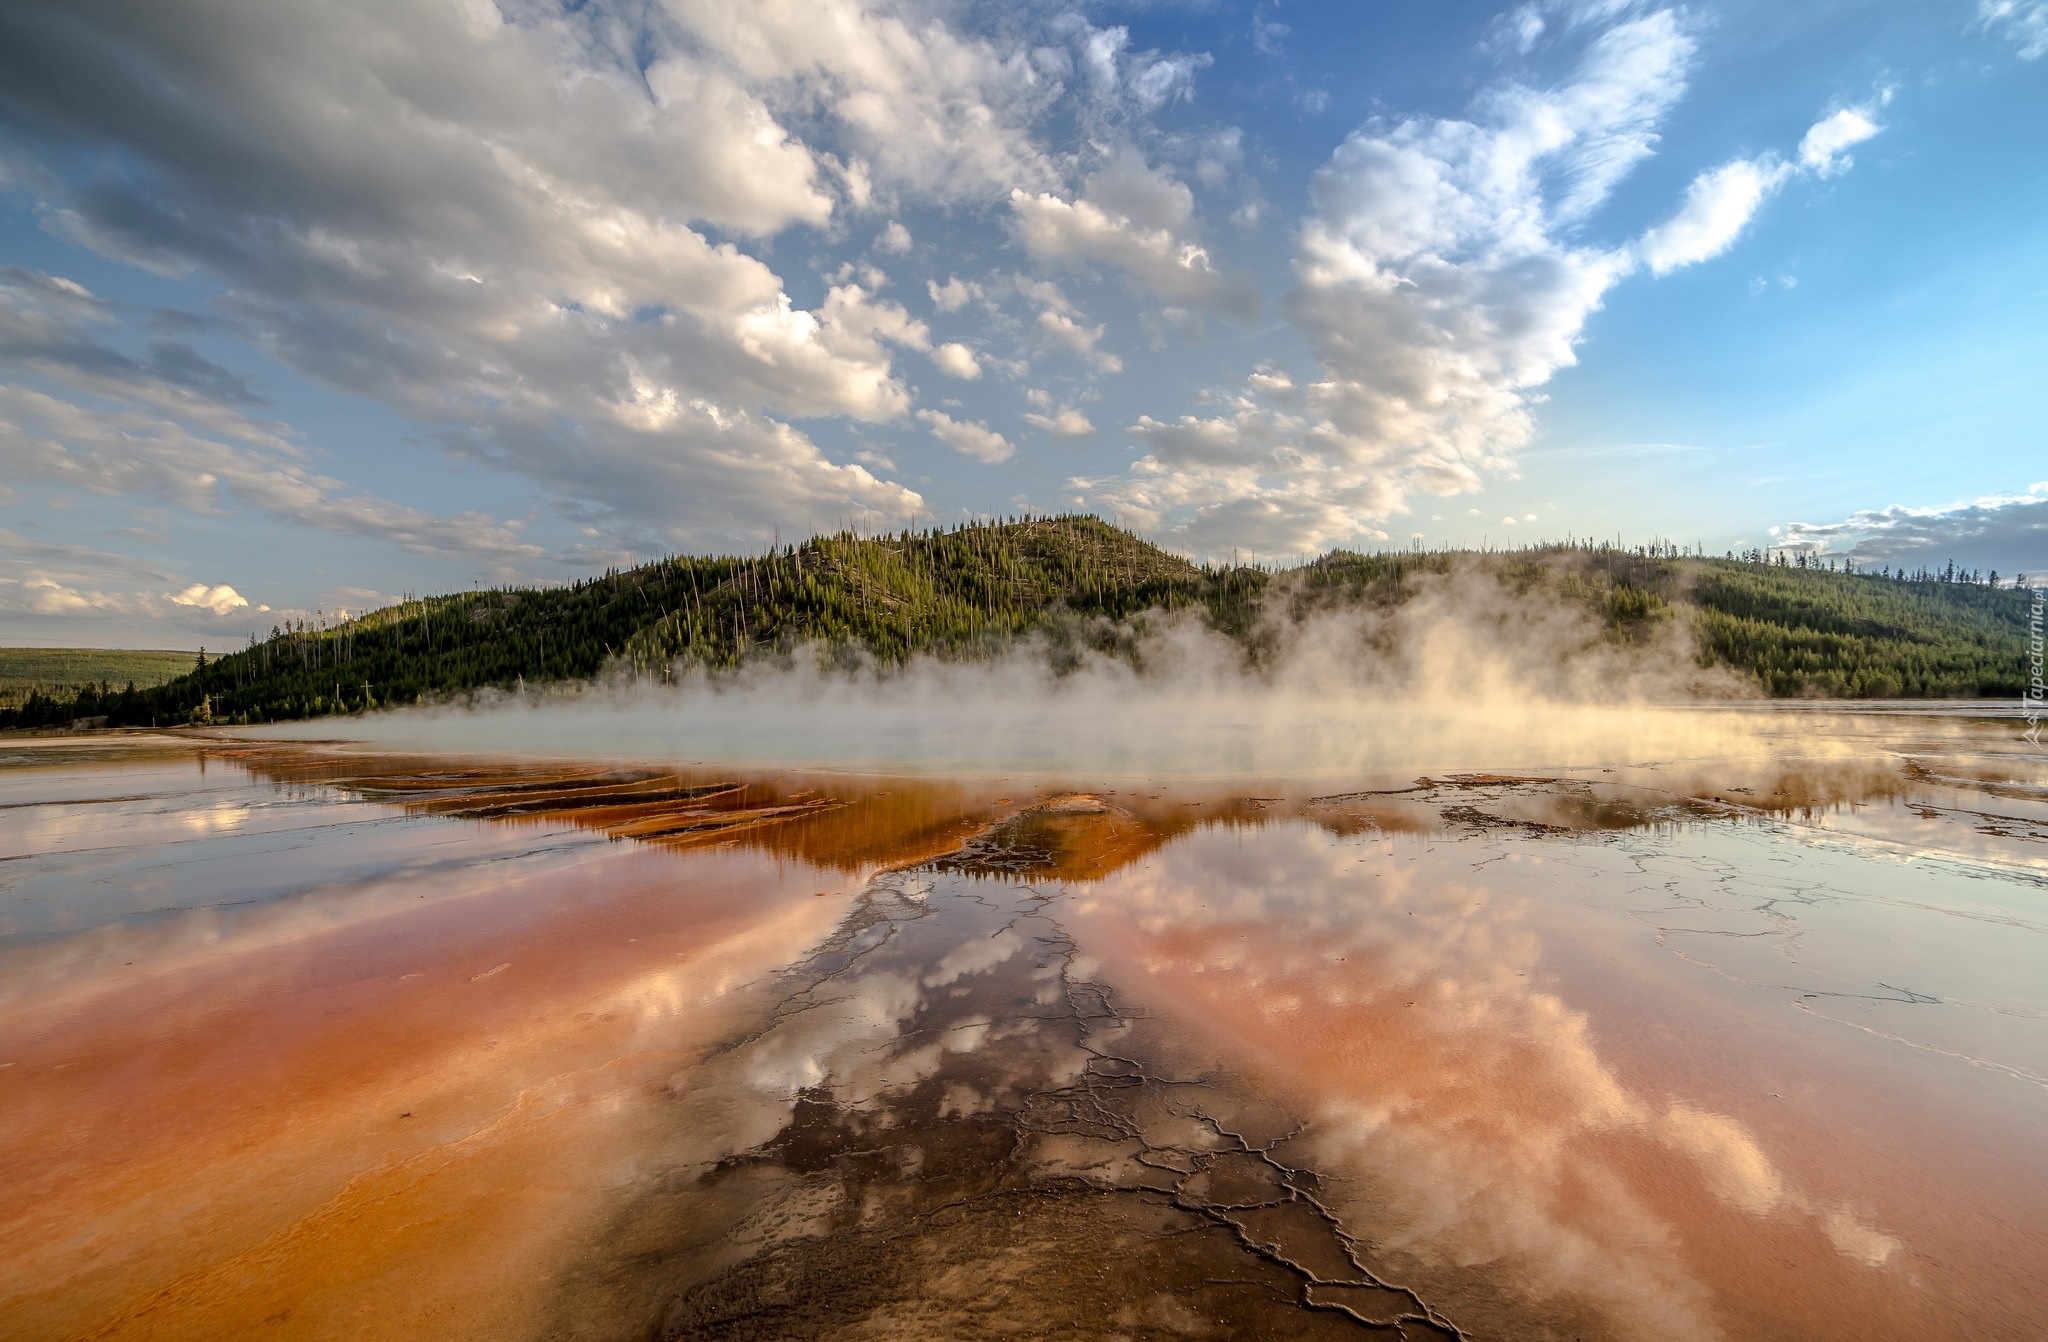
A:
[1465,676]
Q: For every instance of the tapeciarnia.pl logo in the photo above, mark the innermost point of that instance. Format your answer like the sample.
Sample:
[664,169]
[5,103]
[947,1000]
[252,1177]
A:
[2031,699]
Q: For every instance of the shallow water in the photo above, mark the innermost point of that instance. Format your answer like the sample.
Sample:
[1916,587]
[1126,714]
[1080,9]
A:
[300,1042]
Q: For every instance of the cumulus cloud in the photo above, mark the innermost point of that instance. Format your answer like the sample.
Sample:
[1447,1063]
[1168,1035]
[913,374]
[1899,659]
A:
[956,360]
[895,239]
[1439,282]
[1273,383]
[40,577]
[920,104]
[1135,218]
[2006,532]
[2024,23]
[221,599]
[968,438]
[1067,332]
[549,238]
[500,226]
[1061,323]
[954,294]
[1066,422]
[1442,278]
[60,585]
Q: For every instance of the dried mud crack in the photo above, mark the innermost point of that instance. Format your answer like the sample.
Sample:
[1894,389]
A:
[971,1139]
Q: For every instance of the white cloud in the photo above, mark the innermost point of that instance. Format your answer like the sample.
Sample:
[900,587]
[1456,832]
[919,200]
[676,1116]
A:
[1718,206]
[954,294]
[1821,148]
[895,239]
[35,593]
[1439,284]
[1067,422]
[38,594]
[548,238]
[923,106]
[1720,203]
[2007,532]
[1063,324]
[1044,293]
[1148,79]
[221,599]
[496,223]
[126,452]
[968,438]
[1517,30]
[1156,81]
[1272,383]
[1100,51]
[1082,340]
[1138,219]
[1442,281]
[2024,23]
[67,584]
[956,360]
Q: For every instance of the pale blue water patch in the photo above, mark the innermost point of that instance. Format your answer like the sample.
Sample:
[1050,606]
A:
[1932,950]
[129,845]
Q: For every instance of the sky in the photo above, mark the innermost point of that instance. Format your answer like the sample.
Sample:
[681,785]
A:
[309,304]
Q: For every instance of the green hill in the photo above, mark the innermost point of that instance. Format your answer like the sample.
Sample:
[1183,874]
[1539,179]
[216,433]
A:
[1803,632]
[971,591]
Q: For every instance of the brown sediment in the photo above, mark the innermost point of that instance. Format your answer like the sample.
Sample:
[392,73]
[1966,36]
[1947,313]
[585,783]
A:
[624,804]
[409,1089]
[886,821]
[405,1108]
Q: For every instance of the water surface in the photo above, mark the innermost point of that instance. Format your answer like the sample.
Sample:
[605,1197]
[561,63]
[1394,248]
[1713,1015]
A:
[298,1041]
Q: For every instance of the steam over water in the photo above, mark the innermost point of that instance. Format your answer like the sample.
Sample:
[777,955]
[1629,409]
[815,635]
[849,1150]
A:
[1460,679]
[1346,998]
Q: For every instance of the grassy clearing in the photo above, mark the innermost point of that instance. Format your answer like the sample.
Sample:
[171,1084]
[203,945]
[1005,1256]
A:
[62,672]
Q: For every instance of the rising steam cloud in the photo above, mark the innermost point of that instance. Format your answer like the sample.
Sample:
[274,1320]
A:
[1463,676]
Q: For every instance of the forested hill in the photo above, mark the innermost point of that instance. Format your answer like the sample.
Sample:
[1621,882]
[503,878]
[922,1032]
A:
[970,591]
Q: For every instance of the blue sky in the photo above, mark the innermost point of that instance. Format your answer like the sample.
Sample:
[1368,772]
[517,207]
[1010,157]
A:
[305,304]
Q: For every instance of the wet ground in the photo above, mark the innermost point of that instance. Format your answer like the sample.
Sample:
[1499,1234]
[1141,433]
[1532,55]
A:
[299,1042]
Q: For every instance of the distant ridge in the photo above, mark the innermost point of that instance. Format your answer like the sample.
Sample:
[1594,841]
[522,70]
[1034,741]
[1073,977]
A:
[970,591]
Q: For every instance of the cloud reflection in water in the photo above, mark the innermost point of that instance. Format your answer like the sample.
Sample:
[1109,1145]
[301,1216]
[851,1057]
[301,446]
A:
[1402,999]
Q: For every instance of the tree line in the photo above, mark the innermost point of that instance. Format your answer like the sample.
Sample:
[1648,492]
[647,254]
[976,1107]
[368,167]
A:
[969,591]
